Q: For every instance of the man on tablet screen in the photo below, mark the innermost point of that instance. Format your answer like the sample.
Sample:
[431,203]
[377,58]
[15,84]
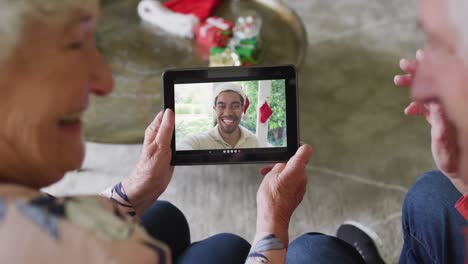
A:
[229,103]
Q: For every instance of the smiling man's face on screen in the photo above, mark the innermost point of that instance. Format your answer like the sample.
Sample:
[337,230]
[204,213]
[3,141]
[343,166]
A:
[228,108]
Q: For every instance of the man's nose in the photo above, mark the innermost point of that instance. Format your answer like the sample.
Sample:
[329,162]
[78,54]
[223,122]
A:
[228,110]
[101,81]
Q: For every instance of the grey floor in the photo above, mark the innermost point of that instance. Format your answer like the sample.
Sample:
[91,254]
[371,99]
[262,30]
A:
[367,153]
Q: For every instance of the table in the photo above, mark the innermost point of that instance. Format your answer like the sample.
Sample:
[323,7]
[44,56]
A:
[138,55]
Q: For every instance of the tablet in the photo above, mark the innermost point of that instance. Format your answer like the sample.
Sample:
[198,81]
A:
[226,115]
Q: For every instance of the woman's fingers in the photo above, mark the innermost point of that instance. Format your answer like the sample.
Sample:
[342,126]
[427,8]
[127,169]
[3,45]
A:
[403,80]
[408,66]
[166,130]
[298,162]
[265,170]
[152,129]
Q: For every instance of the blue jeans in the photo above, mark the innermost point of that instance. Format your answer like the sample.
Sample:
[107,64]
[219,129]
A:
[432,227]
[321,249]
[166,223]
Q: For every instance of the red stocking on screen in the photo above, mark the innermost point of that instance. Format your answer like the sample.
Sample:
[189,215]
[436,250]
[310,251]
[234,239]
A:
[265,112]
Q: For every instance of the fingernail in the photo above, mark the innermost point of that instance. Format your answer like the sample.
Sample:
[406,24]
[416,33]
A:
[406,111]
[166,114]
[403,63]
[419,55]
[306,147]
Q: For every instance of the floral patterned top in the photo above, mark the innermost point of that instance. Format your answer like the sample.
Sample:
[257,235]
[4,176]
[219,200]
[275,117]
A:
[39,228]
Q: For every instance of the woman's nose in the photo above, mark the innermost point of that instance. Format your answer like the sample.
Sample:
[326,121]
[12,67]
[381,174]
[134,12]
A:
[101,81]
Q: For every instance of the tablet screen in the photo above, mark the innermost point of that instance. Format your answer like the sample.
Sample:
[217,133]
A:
[230,115]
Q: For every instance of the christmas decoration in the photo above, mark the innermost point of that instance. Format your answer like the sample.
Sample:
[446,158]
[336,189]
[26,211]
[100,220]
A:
[223,57]
[226,43]
[178,17]
[246,41]
[247,27]
[245,117]
[246,104]
[152,12]
[214,32]
[265,112]
[202,9]
[247,50]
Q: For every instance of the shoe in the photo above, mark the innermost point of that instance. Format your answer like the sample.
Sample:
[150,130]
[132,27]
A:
[361,239]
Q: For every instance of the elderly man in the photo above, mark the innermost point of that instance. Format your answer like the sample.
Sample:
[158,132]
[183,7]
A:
[229,105]
[435,210]
[433,227]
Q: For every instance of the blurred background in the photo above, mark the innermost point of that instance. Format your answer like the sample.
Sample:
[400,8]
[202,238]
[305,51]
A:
[367,153]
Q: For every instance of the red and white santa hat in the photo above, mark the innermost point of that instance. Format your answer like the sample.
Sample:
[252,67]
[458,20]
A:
[231,86]
[178,17]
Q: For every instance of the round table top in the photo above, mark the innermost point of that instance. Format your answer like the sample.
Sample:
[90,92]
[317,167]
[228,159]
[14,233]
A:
[138,55]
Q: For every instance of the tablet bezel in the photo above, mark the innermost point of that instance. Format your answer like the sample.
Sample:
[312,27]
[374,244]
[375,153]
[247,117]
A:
[229,74]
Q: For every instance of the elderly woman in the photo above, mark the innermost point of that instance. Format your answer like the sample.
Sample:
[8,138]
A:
[49,67]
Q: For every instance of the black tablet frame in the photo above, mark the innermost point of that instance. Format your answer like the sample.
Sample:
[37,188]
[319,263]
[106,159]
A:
[229,74]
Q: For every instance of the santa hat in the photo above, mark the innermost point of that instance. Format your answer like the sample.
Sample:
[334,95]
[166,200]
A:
[178,17]
[199,8]
[230,86]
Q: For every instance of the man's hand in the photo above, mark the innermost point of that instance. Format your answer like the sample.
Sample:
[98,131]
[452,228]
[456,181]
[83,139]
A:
[153,172]
[280,192]
[444,143]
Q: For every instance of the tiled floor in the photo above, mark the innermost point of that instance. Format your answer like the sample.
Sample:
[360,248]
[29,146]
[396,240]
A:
[367,153]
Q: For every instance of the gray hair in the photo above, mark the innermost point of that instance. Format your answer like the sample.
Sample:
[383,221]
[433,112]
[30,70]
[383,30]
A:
[458,13]
[15,13]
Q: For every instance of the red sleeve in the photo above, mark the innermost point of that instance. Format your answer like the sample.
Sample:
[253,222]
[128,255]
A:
[462,206]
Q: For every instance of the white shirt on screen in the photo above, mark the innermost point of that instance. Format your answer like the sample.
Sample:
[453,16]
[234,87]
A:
[212,140]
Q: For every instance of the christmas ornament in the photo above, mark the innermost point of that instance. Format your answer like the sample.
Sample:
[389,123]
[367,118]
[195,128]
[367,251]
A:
[246,41]
[247,27]
[265,112]
[214,32]
[246,104]
[223,57]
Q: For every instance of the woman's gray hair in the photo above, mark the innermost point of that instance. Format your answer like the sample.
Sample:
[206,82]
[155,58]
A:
[458,13]
[14,14]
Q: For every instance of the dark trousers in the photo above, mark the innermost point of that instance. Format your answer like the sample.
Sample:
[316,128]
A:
[432,227]
[166,223]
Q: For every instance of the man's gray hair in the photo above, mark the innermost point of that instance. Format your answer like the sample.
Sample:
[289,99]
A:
[15,13]
[458,13]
